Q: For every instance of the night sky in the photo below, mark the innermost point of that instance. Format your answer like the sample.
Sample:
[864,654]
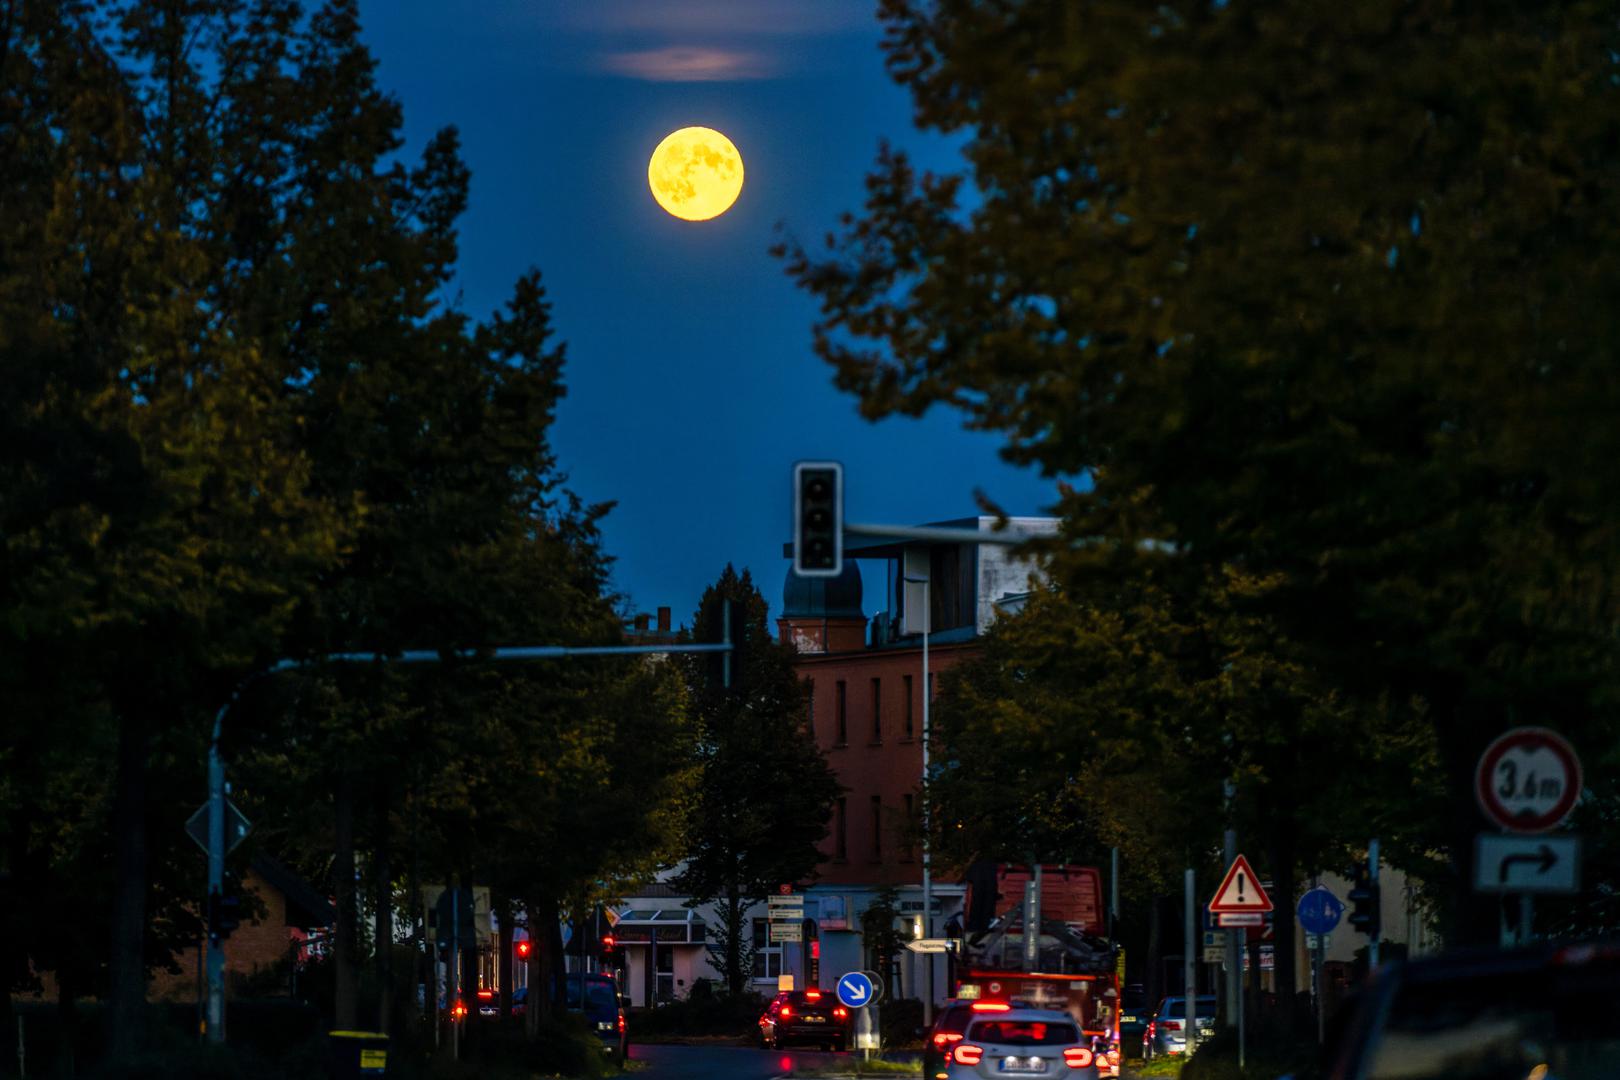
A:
[692,386]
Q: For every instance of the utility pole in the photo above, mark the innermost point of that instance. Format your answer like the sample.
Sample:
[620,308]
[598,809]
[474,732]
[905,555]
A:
[1190,962]
[1234,941]
[1372,875]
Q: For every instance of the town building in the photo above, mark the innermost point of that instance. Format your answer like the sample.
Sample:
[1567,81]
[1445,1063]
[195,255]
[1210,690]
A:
[866,685]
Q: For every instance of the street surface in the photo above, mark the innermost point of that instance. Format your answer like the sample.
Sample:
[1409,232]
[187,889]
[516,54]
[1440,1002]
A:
[721,1062]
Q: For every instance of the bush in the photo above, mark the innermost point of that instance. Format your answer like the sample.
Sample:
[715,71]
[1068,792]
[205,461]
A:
[566,1045]
[716,1014]
[1266,1056]
[898,1022]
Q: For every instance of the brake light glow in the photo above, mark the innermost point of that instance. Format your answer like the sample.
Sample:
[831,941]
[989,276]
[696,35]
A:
[812,995]
[486,995]
[621,1023]
[991,1006]
[945,1038]
[459,1010]
[1171,1025]
[1077,1057]
[787,1012]
[967,1054]
[840,1012]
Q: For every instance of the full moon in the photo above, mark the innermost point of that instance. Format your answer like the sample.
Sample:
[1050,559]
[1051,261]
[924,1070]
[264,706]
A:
[695,174]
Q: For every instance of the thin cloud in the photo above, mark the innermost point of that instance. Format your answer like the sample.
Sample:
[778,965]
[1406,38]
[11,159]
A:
[691,17]
[686,63]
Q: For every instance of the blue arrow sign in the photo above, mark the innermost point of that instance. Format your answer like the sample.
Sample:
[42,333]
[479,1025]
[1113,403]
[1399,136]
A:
[1319,911]
[854,989]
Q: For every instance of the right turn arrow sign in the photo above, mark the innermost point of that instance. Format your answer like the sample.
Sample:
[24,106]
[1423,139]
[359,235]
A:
[1527,864]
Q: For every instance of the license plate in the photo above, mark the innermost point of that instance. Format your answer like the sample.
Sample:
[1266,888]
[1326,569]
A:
[1127,1019]
[1023,1065]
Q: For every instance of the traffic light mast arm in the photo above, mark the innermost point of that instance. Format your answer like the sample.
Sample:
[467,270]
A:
[942,534]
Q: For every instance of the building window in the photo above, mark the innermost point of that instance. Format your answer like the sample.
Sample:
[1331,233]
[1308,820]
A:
[810,707]
[910,730]
[843,717]
[877,827]
[877,710]
[910,825]
[840,828]
[767,957]
[930,688]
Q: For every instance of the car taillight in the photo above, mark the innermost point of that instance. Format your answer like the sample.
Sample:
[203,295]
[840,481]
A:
[840,1012]
[1151,1026]
[967,1054]
[991,1006]
[1171,1025]
[1077,1057]
[621,1022]
[944,1038]
[787,1012]
[812,995]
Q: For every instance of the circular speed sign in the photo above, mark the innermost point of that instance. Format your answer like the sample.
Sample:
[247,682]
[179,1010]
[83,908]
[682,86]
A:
[1528,779]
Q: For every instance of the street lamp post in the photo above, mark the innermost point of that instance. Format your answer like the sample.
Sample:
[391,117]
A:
[927,863]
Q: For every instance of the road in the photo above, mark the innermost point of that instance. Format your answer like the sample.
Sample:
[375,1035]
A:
[719,1062]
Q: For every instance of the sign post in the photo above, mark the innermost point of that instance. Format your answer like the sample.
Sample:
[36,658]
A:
[1527,781]
[1319,912]
[1240,901]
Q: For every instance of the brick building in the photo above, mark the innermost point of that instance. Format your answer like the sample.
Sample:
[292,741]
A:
[865,685]
[295,919]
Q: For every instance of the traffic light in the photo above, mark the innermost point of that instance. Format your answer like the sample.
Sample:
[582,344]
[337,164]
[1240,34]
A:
[523,950]
[224,914]
[1364,900]
[607,944]
[818,519]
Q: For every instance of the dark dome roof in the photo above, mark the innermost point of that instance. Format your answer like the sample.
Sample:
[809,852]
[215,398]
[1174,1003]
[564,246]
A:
[820,597]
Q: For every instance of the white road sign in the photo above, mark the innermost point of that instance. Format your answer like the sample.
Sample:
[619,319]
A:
[1527,864]
[929,945]
[786,931]
[1528,779]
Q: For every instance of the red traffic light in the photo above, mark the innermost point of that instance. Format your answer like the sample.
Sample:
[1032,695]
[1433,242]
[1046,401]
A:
[607,942]
[523,950]
[459,1011]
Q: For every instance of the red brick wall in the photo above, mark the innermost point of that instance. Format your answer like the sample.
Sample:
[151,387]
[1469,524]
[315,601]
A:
[251,947]
[889,767]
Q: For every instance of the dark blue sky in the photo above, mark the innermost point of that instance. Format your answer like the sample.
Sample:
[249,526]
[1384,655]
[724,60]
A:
[692,386]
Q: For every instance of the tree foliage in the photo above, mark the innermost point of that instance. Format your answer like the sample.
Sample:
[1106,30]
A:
[765,791]
[1326,295]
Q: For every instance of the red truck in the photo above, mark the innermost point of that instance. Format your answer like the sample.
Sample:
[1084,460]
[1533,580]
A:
[1076,968]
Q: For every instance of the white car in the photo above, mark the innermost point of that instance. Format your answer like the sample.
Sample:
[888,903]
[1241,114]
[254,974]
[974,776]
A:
[1009,1041]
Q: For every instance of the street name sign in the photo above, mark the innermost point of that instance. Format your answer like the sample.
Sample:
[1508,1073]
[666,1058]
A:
[786,931]
[1240,894]
[1527,864]
[236,826]
[1319,911]
[1241,918]
[855,990]
[1528,779]
[929,945]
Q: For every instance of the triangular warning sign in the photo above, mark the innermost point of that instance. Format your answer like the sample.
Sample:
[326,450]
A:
[1240,890]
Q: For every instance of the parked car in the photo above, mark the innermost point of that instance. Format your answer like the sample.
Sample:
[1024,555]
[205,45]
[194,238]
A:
[1133,1018]
[950,1023]
[1549,1011]
[1165,1034]
[807,1017]
[1004,1040]
[598,997]
[488,1006]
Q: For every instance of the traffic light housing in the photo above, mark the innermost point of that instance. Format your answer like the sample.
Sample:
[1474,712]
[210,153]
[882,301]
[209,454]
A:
[1364,904]
[522,949]
[224,914]
[607,945]
[818,518]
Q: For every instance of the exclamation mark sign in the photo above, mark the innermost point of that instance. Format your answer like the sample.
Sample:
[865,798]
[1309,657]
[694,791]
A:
[1240,878]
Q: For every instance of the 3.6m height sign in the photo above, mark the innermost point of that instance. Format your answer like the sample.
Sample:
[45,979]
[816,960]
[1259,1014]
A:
[1528,780]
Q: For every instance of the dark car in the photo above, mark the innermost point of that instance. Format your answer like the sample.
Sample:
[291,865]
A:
[807,1017]
[1549,1011]
[949,1025]
[1133,1018]
[598,997]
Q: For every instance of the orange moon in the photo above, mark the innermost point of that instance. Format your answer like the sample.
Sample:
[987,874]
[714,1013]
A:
[695,174]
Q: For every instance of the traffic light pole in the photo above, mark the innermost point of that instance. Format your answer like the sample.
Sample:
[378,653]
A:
[1372,876]
[214,1015]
